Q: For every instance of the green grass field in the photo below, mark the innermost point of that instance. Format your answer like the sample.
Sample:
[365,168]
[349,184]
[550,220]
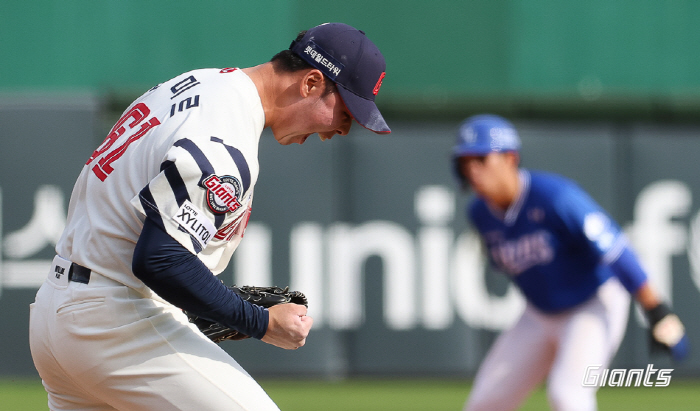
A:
[394,394]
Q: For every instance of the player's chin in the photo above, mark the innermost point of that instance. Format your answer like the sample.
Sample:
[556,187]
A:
[294,139]
[302,139]
[477,188]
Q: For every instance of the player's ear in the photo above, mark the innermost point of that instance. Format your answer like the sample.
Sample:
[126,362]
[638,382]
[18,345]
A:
[312,82]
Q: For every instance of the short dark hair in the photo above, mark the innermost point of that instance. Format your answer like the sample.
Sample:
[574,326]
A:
[289,62]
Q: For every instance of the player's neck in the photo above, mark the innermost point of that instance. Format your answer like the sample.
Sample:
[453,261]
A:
[263,76]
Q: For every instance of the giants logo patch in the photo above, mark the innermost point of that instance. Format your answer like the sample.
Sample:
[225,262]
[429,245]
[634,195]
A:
[222,193]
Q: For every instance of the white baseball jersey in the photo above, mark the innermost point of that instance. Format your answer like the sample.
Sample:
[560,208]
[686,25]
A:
[186,155]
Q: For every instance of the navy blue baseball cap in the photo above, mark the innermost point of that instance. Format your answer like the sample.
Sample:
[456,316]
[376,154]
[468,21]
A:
[346,56]
[485,133]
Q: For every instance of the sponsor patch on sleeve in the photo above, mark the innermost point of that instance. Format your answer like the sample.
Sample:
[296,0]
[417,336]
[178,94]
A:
[195,222]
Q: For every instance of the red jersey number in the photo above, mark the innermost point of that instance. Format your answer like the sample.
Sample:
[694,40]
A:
[137,115]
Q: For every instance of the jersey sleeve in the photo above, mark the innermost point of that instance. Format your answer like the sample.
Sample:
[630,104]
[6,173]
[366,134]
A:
[201,197]
[587,220]
[182,279]
[604,236]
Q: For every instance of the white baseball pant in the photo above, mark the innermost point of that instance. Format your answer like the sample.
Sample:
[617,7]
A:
[103,346]
[557,348]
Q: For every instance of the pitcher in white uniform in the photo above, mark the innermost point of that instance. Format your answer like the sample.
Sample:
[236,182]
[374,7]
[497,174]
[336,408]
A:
[157,212]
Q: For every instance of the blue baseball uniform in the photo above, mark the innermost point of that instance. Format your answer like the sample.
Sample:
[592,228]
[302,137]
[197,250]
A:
[556,243]
[570,260]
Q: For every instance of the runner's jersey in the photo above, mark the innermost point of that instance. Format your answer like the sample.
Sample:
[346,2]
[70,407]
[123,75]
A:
[555,242]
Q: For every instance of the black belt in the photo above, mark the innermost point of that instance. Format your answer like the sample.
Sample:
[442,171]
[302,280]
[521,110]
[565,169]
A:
[79,274]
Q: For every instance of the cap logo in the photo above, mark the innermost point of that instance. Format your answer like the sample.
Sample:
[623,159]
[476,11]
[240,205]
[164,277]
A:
[319,58]
[379,83]
[470,135]
[503,138]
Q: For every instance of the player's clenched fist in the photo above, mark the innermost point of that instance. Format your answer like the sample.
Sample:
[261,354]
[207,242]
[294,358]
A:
[288,326]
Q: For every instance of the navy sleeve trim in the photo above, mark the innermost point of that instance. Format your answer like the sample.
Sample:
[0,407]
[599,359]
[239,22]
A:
[177,184]
[181,195]
[240,161]
[204,165]
[149,206]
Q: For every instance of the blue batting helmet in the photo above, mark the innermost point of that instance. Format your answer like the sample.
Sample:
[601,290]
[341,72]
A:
[485,133]
[482,134]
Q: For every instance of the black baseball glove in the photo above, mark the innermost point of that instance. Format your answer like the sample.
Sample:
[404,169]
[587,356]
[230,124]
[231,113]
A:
[262,296]
[667,332]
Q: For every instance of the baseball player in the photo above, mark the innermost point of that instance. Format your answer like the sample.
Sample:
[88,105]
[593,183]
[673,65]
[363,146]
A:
[570,260]
[158,210]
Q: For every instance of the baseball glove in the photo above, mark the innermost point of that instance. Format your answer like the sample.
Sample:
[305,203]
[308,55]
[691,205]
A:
[262,296]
